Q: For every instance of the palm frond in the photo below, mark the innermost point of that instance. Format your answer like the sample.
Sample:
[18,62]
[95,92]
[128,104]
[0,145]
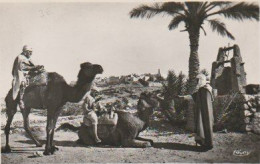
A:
[202,9]
[146,11]
[220,27]
[170,8]
[203,30]
[203,6]
[239,11]
[176,21]
[220,4]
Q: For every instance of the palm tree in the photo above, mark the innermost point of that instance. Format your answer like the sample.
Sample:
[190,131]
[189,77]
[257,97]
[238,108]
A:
[193,15]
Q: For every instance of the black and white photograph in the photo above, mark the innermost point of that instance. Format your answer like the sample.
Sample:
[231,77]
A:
[131,81]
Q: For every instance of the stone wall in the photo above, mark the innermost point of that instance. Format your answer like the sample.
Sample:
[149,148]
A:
[252,113]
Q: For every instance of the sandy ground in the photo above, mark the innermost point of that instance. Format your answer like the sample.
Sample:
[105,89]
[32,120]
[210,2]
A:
[171,145]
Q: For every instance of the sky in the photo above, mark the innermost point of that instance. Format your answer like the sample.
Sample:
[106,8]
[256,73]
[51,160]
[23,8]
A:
[64,35]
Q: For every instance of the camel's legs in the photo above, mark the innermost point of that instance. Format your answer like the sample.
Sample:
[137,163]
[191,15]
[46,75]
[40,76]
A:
[51,122]
[7,131]
[48,132]
[26,123]
[11,109]
[144,139]
[53,148]
[135,143]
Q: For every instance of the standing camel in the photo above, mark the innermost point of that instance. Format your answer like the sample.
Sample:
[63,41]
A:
[51,97]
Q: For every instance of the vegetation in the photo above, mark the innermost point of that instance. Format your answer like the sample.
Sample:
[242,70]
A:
[228,109]
[181,84]
[170,90]
[176,85]
[194,15]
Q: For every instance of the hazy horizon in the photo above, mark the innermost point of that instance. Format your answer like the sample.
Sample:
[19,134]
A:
[64,35]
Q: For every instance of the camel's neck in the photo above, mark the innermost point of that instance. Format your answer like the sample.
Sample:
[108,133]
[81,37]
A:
[77,92]
[145,116]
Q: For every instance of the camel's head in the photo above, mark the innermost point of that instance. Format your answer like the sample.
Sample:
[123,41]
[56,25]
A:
[89,70]
[147,102]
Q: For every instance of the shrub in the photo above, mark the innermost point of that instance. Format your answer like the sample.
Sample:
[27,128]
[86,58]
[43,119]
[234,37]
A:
[228,112]
[173,108]
[181,84]
[170,90]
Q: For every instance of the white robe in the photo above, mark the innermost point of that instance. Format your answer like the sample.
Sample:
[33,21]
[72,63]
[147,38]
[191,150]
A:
[19,75]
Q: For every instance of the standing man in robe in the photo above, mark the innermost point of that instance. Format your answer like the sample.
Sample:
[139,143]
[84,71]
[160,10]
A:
[203,114]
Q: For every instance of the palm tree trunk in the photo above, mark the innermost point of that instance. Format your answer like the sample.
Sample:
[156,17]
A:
[194,64]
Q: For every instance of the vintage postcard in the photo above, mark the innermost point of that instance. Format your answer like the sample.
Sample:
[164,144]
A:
[130,81]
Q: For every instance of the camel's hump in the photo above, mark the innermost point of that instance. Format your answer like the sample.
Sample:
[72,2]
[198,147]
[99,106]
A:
[55,77]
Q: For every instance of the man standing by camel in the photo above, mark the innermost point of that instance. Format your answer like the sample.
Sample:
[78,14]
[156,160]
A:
[21,67]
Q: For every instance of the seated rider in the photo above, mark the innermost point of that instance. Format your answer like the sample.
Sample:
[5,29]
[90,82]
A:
[90,107]
[21,67]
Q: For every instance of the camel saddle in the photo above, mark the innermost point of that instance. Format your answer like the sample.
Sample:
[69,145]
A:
[38,78]
[108,119]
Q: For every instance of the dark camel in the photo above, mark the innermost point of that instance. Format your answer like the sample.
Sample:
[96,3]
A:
[126,132]
[51,97]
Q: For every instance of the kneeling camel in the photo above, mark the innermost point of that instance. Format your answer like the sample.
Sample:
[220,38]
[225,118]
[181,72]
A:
[126,131]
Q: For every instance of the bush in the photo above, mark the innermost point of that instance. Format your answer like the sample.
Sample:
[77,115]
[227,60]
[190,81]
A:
[170,90]
[181,84]
[228,112]
[176,85]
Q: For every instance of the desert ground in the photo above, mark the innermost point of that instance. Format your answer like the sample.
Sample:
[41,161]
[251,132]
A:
[171,142]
